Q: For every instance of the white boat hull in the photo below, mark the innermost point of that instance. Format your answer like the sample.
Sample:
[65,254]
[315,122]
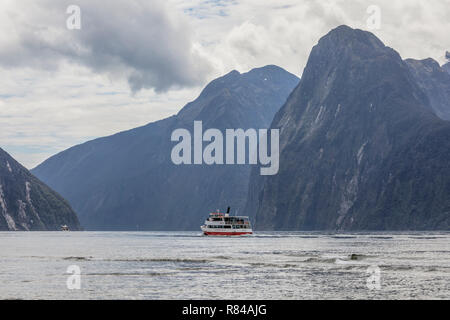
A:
[225,232]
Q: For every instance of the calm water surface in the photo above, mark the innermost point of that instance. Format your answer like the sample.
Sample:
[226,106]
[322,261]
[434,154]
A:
[186,265]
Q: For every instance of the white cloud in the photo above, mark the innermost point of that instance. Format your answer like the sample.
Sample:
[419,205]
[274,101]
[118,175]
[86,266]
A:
[51,111]
[146,42]
[254,32]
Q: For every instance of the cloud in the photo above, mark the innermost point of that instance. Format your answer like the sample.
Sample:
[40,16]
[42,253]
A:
[254,32]
[53,110]
[147,42]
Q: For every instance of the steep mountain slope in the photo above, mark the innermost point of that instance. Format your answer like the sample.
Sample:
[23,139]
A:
[128,181]
[360,147]
[28,204]
[435,82]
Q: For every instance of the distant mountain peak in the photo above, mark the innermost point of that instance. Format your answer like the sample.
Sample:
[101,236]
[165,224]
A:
[428,62]
[345,36]
[269,79]
[343,47]
[267,68]
[231,74]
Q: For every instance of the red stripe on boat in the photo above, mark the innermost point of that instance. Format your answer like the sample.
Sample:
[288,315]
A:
[226,233]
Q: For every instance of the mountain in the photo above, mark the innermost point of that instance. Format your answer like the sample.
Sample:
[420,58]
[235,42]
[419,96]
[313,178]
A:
[28,204]
[446,67]
[360,148]
[127,181]
[435,82]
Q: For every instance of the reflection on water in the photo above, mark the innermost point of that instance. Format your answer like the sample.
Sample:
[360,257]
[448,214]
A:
[186,265]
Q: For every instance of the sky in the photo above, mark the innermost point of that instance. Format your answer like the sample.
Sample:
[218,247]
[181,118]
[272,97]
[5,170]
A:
[137,61]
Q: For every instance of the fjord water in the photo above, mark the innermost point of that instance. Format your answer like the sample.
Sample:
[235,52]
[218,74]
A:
[187,265]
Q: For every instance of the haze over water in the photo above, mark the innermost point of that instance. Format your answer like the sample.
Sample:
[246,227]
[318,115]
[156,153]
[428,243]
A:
[186,265]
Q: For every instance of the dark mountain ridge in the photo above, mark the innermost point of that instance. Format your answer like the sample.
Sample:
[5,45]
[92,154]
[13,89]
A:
[435,82]
[28,204]
[446,67]
[360,146]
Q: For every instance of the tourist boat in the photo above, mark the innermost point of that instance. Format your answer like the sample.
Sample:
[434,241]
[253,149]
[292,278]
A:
[223,224]
[64,228]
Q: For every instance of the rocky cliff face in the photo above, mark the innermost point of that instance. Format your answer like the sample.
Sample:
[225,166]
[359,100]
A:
[28,204]
[435,82]
[360,146]
[128,181]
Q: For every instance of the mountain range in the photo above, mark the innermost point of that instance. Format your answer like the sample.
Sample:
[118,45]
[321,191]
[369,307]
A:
[128,182]
[364,145]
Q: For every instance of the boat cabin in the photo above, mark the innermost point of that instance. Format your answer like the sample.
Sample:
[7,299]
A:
[227,219]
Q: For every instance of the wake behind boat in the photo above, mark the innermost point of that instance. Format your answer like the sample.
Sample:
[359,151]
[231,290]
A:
[222,224]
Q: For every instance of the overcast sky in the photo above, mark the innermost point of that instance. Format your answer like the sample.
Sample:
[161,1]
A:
[137,61]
